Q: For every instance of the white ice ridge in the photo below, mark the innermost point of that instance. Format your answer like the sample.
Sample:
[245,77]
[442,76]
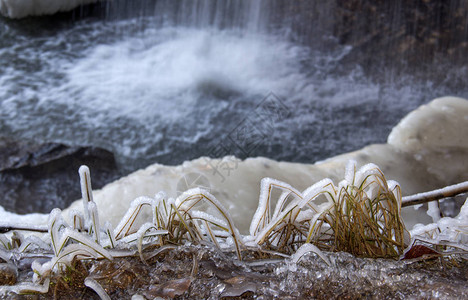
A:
[23,8]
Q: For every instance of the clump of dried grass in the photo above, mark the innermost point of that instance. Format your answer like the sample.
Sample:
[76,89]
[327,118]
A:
[362,215]
[365,219]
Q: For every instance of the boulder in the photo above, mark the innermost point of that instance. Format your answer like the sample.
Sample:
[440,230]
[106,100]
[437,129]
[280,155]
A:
[23,8]
[37,177]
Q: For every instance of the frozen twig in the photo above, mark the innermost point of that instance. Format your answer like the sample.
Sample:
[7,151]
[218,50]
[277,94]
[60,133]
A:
[9,227]
[449,191]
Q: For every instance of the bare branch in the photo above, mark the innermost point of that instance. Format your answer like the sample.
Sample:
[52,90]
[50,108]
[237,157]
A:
[449,191]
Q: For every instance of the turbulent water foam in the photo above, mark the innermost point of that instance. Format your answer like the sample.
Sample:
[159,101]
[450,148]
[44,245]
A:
[169,93]
[168,69]
[168,81]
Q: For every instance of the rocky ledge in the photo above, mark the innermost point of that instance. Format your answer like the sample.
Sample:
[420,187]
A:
[47,173]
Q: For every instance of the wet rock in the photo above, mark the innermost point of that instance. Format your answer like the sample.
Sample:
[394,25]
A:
[8,274]
[37,177]
[402,34]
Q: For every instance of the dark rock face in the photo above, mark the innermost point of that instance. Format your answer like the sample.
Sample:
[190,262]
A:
[403,33]
[39,177]
[423,38]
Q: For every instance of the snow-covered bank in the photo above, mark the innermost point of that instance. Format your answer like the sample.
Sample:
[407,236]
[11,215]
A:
[426,150]
[23,8]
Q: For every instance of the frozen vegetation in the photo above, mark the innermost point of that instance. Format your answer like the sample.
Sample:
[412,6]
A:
[225,227]
[361,216]
[359,213]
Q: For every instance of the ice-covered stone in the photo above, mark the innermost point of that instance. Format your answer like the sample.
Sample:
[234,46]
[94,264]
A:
[435,134]
[23,8]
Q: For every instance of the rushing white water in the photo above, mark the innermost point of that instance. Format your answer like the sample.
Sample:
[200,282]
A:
[168,93]
[167,70]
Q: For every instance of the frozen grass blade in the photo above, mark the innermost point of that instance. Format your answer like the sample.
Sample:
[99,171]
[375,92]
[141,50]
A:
[86,189]
[73,251]
[33,240]
[5,255]
[95,286]
[84,241]
[142,233]
[110,234]
[306,248]
[263,216]
[77,219]
[188,200]
[5,242]
[55,223]
[124,228]
[95,227]
[28,288]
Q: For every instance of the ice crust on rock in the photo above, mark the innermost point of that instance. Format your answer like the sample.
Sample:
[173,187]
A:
[23,8]
[435,134]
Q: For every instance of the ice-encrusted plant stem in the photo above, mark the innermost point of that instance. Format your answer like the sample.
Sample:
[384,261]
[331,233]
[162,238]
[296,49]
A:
[446,192]
[361,215]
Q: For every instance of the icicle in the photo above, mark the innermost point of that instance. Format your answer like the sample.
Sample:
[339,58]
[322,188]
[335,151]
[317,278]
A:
[433,211]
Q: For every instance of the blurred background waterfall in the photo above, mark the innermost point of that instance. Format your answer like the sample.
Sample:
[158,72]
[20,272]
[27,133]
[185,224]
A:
[171,80]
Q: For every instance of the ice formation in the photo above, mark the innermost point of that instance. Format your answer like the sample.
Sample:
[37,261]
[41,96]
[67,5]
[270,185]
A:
[435,135]
[23,8]
[425,151]
[454,230]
